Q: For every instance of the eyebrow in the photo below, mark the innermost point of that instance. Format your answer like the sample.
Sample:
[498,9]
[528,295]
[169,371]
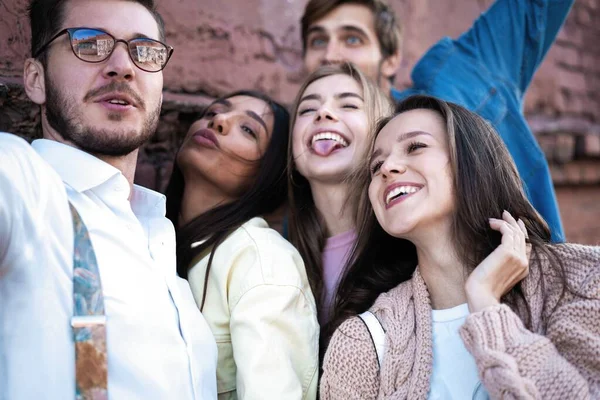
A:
[400,138]
[249,113]
[224,102]
[346,28]
[257,117]
[353,28]
[342,95]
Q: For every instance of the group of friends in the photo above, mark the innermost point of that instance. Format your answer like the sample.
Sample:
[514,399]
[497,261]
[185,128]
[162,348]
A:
[422,256]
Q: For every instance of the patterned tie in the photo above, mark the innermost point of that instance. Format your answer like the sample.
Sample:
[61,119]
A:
[89,319]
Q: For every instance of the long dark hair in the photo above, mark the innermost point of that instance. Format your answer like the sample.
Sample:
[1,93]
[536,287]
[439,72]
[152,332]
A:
[486,182]
[266,195]
[306,230]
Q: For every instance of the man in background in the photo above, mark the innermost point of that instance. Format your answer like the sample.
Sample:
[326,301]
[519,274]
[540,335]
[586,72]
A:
[487,69]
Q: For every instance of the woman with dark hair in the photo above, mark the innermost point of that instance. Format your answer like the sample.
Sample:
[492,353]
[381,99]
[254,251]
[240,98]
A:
[460,310]
[249,283]
[334,111]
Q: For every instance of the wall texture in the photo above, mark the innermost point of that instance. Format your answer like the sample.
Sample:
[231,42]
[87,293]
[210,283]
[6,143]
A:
[223,45]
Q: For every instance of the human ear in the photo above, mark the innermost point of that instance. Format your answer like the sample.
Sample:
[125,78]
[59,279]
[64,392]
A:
[34,81]
[390,65]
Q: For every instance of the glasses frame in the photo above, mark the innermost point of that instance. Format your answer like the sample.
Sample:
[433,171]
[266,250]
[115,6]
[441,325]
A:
[70,31]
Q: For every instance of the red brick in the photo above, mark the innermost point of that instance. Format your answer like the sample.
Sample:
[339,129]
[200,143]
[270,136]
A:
[579,210]
[592,145]
[572,80]
[565,148]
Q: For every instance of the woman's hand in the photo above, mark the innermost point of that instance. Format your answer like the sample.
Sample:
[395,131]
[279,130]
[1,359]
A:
[506,266]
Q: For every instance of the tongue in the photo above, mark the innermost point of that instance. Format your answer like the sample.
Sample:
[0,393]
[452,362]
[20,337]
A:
[325,147]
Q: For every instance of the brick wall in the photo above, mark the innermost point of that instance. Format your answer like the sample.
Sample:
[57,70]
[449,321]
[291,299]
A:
[231,44]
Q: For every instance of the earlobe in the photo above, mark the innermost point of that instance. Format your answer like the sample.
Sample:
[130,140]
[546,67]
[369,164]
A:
[34,81]
[390,65]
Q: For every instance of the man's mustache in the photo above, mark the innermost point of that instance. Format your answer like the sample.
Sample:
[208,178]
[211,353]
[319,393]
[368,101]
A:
[120,87]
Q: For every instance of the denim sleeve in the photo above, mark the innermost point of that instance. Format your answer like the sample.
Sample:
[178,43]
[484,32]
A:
[512,37]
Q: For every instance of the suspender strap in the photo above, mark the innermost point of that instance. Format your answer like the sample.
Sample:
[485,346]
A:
[89,319]
[377,334]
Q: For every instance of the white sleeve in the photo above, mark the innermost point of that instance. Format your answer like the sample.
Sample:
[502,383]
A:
[22,176]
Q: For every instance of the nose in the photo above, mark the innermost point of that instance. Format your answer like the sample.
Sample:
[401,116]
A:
[220,123]
[119,65]
[324,113]
[392,167]
[332,55]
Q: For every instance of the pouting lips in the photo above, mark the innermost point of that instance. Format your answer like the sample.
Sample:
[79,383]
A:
[326,142]
[399,192]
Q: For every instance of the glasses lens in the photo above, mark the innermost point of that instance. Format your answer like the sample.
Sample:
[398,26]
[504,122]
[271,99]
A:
[148,54]
[91,44]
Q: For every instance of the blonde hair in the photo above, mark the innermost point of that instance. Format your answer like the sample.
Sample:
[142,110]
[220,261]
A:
[306,230]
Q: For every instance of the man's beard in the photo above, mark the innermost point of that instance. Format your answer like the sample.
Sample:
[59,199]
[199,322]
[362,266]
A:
[67,121]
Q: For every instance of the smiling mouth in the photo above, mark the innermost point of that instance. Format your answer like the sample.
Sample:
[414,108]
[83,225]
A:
[325,143]
[400,192]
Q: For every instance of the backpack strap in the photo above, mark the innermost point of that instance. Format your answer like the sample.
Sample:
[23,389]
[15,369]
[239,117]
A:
[377,333]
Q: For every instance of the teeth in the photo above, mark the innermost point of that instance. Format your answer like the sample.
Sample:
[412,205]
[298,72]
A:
[120,102]
[330,136]
[400,190]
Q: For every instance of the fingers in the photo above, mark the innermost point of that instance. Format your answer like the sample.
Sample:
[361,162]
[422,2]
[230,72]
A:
[514,233]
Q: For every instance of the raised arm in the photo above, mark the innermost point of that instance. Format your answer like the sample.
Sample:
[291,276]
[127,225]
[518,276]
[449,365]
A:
[14,171]
[275,333]
[562,363]
[30,191]
[512,37]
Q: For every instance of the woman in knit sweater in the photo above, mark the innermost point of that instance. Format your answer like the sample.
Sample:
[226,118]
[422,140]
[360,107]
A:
[465,315]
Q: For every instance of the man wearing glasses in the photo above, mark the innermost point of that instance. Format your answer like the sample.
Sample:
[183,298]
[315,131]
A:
[90,304]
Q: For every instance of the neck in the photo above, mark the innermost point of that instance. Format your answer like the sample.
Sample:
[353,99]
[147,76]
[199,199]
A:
[332,205]
[385,85]
[126,164]
[199,197]
[443,273]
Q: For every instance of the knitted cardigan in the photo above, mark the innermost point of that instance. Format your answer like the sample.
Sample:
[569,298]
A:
[556,357]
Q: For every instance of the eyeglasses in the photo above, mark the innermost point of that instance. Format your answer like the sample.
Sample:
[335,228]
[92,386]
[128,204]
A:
[95,45]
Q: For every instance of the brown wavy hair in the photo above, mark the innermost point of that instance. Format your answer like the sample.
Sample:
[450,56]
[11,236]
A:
[486,182]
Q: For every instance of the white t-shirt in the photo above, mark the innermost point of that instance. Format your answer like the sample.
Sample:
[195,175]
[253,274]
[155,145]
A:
[454,374]
[158,344]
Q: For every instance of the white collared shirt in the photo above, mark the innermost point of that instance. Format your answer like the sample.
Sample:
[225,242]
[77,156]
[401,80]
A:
[158,344]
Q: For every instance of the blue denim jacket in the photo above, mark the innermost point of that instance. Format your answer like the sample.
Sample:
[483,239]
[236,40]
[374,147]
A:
[488,70]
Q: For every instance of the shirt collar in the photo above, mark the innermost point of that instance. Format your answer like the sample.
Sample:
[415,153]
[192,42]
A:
[76,168]
[82,172]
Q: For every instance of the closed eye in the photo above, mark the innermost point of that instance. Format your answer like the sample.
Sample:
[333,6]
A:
[350,106]
[413,146]
[249,131]
[376,167]
[305,111]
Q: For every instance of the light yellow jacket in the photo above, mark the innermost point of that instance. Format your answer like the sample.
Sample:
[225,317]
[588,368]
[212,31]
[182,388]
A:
[262,313]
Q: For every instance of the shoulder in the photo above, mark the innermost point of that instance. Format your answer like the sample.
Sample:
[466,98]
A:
[581,265]
[351,360]
[17,153]
[578,268]
[260,255]
[23,172]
